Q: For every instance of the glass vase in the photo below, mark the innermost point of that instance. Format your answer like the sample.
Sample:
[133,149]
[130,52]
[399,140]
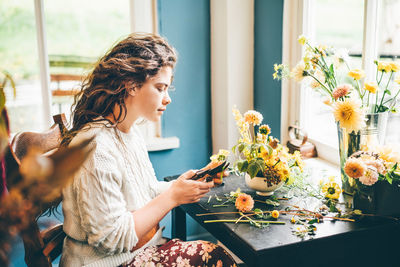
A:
[372,134]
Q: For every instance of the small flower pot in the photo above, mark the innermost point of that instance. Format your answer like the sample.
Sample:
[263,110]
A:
[260,184]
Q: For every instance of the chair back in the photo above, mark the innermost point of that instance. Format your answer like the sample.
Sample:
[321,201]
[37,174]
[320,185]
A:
[41,247]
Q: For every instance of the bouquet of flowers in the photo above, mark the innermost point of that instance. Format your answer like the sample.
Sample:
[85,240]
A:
[260,154]
[349,98]
[369,167]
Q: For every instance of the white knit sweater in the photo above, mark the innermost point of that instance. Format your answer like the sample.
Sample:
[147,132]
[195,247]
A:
[115,180]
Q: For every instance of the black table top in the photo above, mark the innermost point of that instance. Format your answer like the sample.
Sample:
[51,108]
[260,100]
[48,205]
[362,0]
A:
[363,240]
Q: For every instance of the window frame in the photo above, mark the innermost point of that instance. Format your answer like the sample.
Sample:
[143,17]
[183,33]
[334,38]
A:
[142,18]
[294,95]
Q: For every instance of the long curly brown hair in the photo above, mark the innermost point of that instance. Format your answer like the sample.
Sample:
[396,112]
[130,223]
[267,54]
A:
[128,65]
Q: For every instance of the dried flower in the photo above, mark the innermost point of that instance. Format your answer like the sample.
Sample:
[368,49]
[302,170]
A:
[253,117]
[354,168]
[341,91]
[356,74]
[349,114]
[370,177]
[273,142]
[244,202]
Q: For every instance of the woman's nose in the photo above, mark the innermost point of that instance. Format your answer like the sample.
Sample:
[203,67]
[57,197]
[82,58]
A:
[166,99]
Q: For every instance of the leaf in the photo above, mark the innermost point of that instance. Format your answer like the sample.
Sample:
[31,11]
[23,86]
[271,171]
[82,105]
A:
[241,147]
[2,100]
[259,213]
[272,202]
[313,221]
[253,169]
[242,165]
[388,92]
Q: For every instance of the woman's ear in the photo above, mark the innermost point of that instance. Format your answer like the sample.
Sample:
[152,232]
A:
[132,91]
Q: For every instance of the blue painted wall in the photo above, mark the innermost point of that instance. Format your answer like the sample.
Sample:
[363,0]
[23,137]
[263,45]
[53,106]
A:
[186,25]
[268,19]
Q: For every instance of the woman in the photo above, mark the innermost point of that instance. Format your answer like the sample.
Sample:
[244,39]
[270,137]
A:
[113,207]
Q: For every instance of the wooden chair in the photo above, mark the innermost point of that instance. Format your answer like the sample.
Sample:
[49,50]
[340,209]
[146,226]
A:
[41,247]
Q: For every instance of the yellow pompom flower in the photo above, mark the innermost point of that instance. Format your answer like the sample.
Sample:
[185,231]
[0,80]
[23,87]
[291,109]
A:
[349,114]
[275,214]
[371,87]
[356,74]
[331,190]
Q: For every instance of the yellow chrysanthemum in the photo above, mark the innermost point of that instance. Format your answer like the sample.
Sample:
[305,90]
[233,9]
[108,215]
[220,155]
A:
[331,190]
[253,117]
[221,156]
[371,87]
[394,66]
[299,72]
[356,74]
[384,66]
[349,114]
[302,39]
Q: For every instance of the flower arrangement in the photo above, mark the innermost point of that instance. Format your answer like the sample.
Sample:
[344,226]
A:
[259,153]
[369,167]
[348,96]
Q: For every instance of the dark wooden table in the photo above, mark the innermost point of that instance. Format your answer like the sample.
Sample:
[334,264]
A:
[371,241]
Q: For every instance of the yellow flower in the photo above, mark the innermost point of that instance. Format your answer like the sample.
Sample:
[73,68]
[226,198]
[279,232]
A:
[302,39]
[253,117]
[394,66]
[384,66]
[293,220]
[397,79]
[275,214]
[349,114]
[356,74]
[221,156]
[331,190]
[299,72]
[371,87]
[264,129]
[388,154]
[327,101]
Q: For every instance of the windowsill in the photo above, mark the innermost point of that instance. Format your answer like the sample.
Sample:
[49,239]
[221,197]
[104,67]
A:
[320,168]
[162,143]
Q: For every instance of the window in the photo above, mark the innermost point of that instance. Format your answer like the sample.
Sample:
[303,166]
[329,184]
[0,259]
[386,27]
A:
[358,28]
[48,45]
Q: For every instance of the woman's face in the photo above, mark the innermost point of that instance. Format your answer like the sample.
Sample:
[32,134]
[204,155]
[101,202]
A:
[151,100]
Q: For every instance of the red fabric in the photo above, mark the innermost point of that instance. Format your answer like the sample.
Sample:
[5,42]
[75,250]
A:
[180,253]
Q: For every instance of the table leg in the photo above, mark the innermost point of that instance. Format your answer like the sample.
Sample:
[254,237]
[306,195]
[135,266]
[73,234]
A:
[178,224]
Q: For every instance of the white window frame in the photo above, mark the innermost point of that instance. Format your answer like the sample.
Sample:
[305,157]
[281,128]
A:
[143,18]
[298,17]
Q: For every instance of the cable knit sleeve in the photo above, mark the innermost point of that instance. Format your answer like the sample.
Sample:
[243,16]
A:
[102,208]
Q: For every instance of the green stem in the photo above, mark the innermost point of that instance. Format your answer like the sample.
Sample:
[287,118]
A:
[384,92]
[326,89]
[232,221]
[221,205]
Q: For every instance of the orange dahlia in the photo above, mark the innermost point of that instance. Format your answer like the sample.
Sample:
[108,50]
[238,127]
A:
[354,168]
[244,202]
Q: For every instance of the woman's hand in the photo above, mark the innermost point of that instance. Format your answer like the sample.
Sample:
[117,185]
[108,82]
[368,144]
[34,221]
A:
[183,190]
